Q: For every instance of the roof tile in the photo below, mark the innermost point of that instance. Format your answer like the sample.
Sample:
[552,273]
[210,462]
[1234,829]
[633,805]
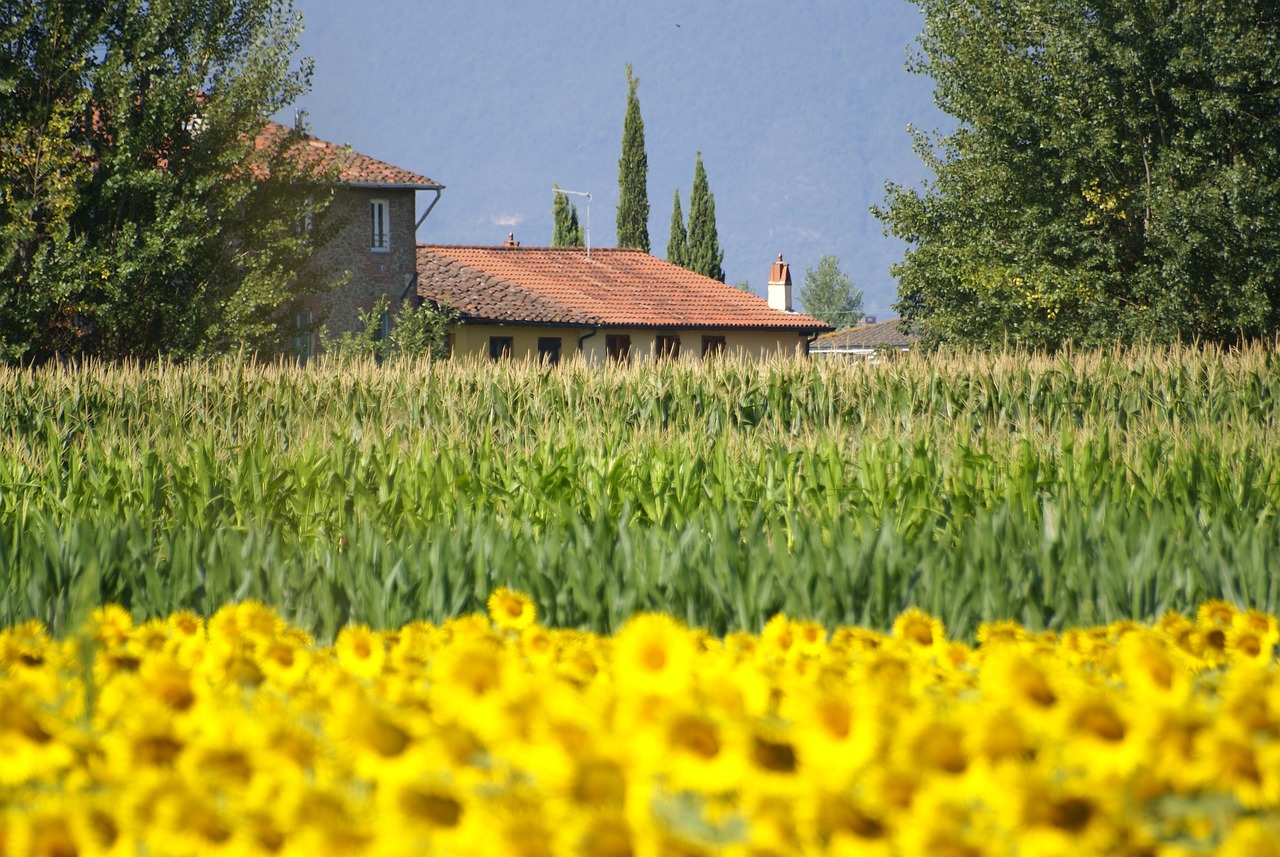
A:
[614,287]
[884,334]
[353,167]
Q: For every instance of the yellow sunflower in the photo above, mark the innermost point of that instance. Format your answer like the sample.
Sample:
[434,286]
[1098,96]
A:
[360,651]
[511,610]
[653,654]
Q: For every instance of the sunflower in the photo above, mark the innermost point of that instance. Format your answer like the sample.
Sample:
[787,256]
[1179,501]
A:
[919,630]
[1217,612]
[653,654]
[360,651]
[1252,837]
[511,610]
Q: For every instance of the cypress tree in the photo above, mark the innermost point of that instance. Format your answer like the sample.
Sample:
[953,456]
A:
[704,255]
[678,243]
[567,231]
[633,175]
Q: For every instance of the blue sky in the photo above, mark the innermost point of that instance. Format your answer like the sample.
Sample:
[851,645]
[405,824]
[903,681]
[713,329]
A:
[800,111]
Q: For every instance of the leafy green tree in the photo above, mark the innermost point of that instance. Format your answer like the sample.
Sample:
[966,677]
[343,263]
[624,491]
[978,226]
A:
[633,175]
[704,254]
[678,243]
[829,294]
[144,212]
[412,331]
[1112,174]
[568,231]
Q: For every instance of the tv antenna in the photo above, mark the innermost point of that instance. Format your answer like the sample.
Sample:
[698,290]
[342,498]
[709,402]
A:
[588,198]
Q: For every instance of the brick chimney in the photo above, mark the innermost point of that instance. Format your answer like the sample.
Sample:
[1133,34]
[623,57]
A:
[511,240]
[780,286]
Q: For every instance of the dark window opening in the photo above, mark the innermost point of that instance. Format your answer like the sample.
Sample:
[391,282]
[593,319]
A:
[618,346]
[666,347]
[549,350]
[303,346]
[500,347]
[712,346]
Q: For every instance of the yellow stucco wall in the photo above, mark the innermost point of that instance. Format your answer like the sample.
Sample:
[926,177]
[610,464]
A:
[473,340]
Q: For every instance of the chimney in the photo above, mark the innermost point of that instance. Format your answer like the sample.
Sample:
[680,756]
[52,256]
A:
[511,240]
[780,286]
[299,120]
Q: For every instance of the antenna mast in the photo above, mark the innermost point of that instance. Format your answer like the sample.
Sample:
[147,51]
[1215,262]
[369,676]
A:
[588,198]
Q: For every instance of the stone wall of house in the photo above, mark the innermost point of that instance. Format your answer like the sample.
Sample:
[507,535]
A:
[364,274]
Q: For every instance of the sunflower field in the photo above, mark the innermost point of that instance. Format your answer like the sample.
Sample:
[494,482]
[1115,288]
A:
[492,734]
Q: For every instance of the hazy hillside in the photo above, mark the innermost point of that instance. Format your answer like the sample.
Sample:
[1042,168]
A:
[800,113]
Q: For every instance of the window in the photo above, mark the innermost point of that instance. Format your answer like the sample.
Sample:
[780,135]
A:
[712,346]
[549,350]
[302,345]
[379,226]
[618,347]
[500,347]
[666,348]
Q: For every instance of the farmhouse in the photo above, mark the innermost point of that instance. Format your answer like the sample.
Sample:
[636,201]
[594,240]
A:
[526,302]
[374,220]
[550,302]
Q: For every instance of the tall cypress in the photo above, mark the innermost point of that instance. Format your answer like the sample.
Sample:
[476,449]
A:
[704,255]
[633,175]
[567,231]
[678,243]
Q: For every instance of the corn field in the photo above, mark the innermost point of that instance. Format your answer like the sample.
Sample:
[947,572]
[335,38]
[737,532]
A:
[1078,489]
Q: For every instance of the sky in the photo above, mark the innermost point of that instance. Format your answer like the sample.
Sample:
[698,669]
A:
[800,111]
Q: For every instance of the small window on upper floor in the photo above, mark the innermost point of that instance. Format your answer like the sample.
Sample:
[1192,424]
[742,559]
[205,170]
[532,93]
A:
[379,226]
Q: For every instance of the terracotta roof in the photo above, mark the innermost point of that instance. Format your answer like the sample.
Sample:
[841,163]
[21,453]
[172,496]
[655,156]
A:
[354,168]
[613,288]
[884,334]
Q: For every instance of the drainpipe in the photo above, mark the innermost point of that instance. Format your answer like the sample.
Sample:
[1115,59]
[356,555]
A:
[411,287]
[438,191]
[584,337]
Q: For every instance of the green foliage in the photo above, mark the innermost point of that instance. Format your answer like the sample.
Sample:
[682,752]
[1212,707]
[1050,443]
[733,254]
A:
[678,243]
[633,175]
[704,255]
[829,294]
[412,332]
[138,217]
[567,231]
[1078,489]
[421,330]
[1110,176]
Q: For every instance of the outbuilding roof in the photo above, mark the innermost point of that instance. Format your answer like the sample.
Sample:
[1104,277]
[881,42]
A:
[613,287]
[885,334]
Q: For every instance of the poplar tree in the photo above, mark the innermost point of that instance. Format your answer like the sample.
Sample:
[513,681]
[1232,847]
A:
[1114,174]
[678,243]
[829,294]
[704,255]
[568,231]
[633,175]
